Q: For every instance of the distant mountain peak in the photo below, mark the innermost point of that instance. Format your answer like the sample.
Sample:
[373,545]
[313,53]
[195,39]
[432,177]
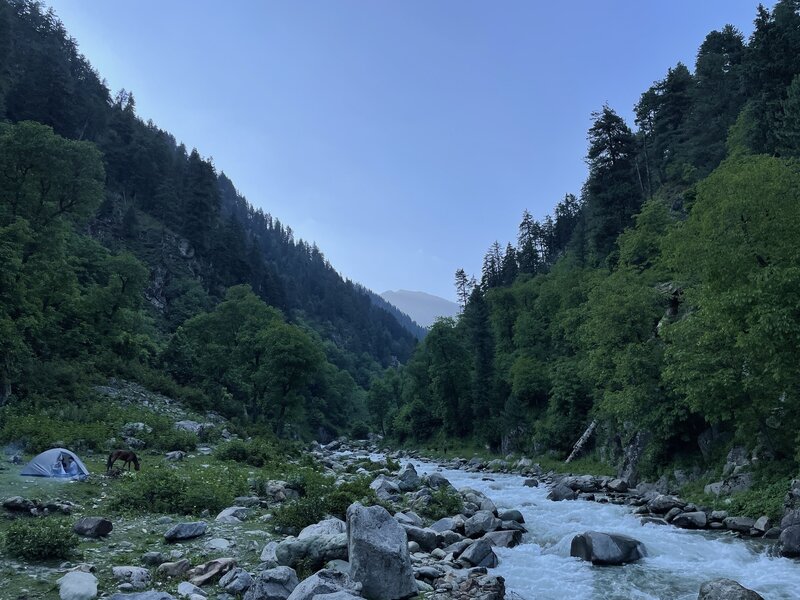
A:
[423,307]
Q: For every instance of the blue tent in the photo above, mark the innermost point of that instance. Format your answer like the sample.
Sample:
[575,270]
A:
[56,462]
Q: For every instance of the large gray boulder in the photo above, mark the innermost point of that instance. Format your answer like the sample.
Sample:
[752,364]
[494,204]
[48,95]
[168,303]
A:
[324,582]
[138,577]
[664,503]
[445,524]
[690,520]
[385,489]
[789,542]
[185,531]
[233,514]
[740,524]
[436,481]
[332,526]
[790,518]
[504,539]
[77,585]
[479,554]
[408,480]
[94,527]
[426,538]
[378,553]
[606,548]
[236,581]
[726,589]
[481,522]
[315,550]
[149,595]
[272,584]
[561,492]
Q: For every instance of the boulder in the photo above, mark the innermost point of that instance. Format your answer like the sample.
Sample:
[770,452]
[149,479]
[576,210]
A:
[174,569]
[617,485]
[790,518]
[479,554]
[531,483]
[690,520]
[561,492]
[481,522]
[582,483]
[426,538]
[209,571]
[726,589]
[408,480]
[153,559]
[175,455]
[236,581]
[385,489]
[436,481]
[189,590]
[138,577]
[77,585]
[233,514]
[185,531]
[445,524]
[19,504]
[332,526]
[315,550]
[94,527]
[503,539]
[740,524]
[408,519]
[219,544]
[378,553]
[606,548]
[325,582]
[663,503]
[511,515]
[272,584]
[268,553]
[762,524]
[789,542]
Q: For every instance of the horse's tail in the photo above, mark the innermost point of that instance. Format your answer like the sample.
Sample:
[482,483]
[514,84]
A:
[110,461]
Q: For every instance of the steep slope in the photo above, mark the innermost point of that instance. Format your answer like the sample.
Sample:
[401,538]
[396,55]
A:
[422,307]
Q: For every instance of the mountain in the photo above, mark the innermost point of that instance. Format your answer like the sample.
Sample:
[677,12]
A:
[423,308]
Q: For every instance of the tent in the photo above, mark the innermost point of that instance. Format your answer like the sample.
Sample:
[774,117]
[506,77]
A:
[56,462]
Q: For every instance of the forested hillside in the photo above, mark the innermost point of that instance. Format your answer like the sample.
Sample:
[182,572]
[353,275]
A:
[125,254]
[663,301]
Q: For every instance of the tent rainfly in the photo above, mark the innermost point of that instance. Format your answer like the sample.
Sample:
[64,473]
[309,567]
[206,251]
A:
[56,462]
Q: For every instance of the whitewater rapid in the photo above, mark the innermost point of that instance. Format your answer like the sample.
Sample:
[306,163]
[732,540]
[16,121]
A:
[678,561]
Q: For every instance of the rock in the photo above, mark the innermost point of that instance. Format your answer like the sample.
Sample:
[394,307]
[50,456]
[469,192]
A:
[740,524]
[426,538]
[606,548]
[531,483]
[726,589]
[445,524]
[153,559]
[582,483]
[378,553]
[236,581]
[617,485]
[218,544]
[268,553]
[719,515]
[331,526]
[385,489]
[191,426]
[663,503]
[18,504]
[410,518]
[479,554]
[654,521]
[247,501]
[93,527]
[762,524]
[481,522]
[408,480]
[790,518]
[325,582]
[213,569]
[233,514]
[138,577]
[436,481]
[773,533]
[690,520]
[77,585]
[174,569]
[185,531]
[561,492]
[175,455]
[475,585]
[150,595]
[187,590]
[739,482]
[272,584]
[737,457]
[315,550]
[511,515]
[503,539]
[131,429]
[789,541]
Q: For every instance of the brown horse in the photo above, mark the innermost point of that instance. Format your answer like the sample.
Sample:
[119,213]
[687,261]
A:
[125,455]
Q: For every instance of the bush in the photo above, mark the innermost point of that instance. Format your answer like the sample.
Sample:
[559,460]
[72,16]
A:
[40,539]
[167,490]
[445,502]
[257,452]
[360,431]
[321,497]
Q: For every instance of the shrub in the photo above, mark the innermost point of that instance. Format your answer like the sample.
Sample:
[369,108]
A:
[445,502]
[321,497]
[360,431]
[40,539]
[163,489]
[257,452]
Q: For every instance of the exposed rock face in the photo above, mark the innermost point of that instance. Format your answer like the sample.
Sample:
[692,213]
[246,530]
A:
[378,553]
[606,548]
[324,582]
[185,531]
[315,549]
[93,527]
[77,585]
[272,584]
[726,589]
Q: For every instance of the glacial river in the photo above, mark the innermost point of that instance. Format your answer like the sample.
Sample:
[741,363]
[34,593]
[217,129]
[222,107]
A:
[678,561]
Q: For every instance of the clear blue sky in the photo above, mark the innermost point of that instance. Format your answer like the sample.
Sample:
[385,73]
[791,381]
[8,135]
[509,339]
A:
[402,137]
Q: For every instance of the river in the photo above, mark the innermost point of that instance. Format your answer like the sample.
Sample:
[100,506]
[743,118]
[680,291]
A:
[678,561]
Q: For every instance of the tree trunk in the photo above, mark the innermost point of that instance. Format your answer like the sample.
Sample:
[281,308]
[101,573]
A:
[582,441]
